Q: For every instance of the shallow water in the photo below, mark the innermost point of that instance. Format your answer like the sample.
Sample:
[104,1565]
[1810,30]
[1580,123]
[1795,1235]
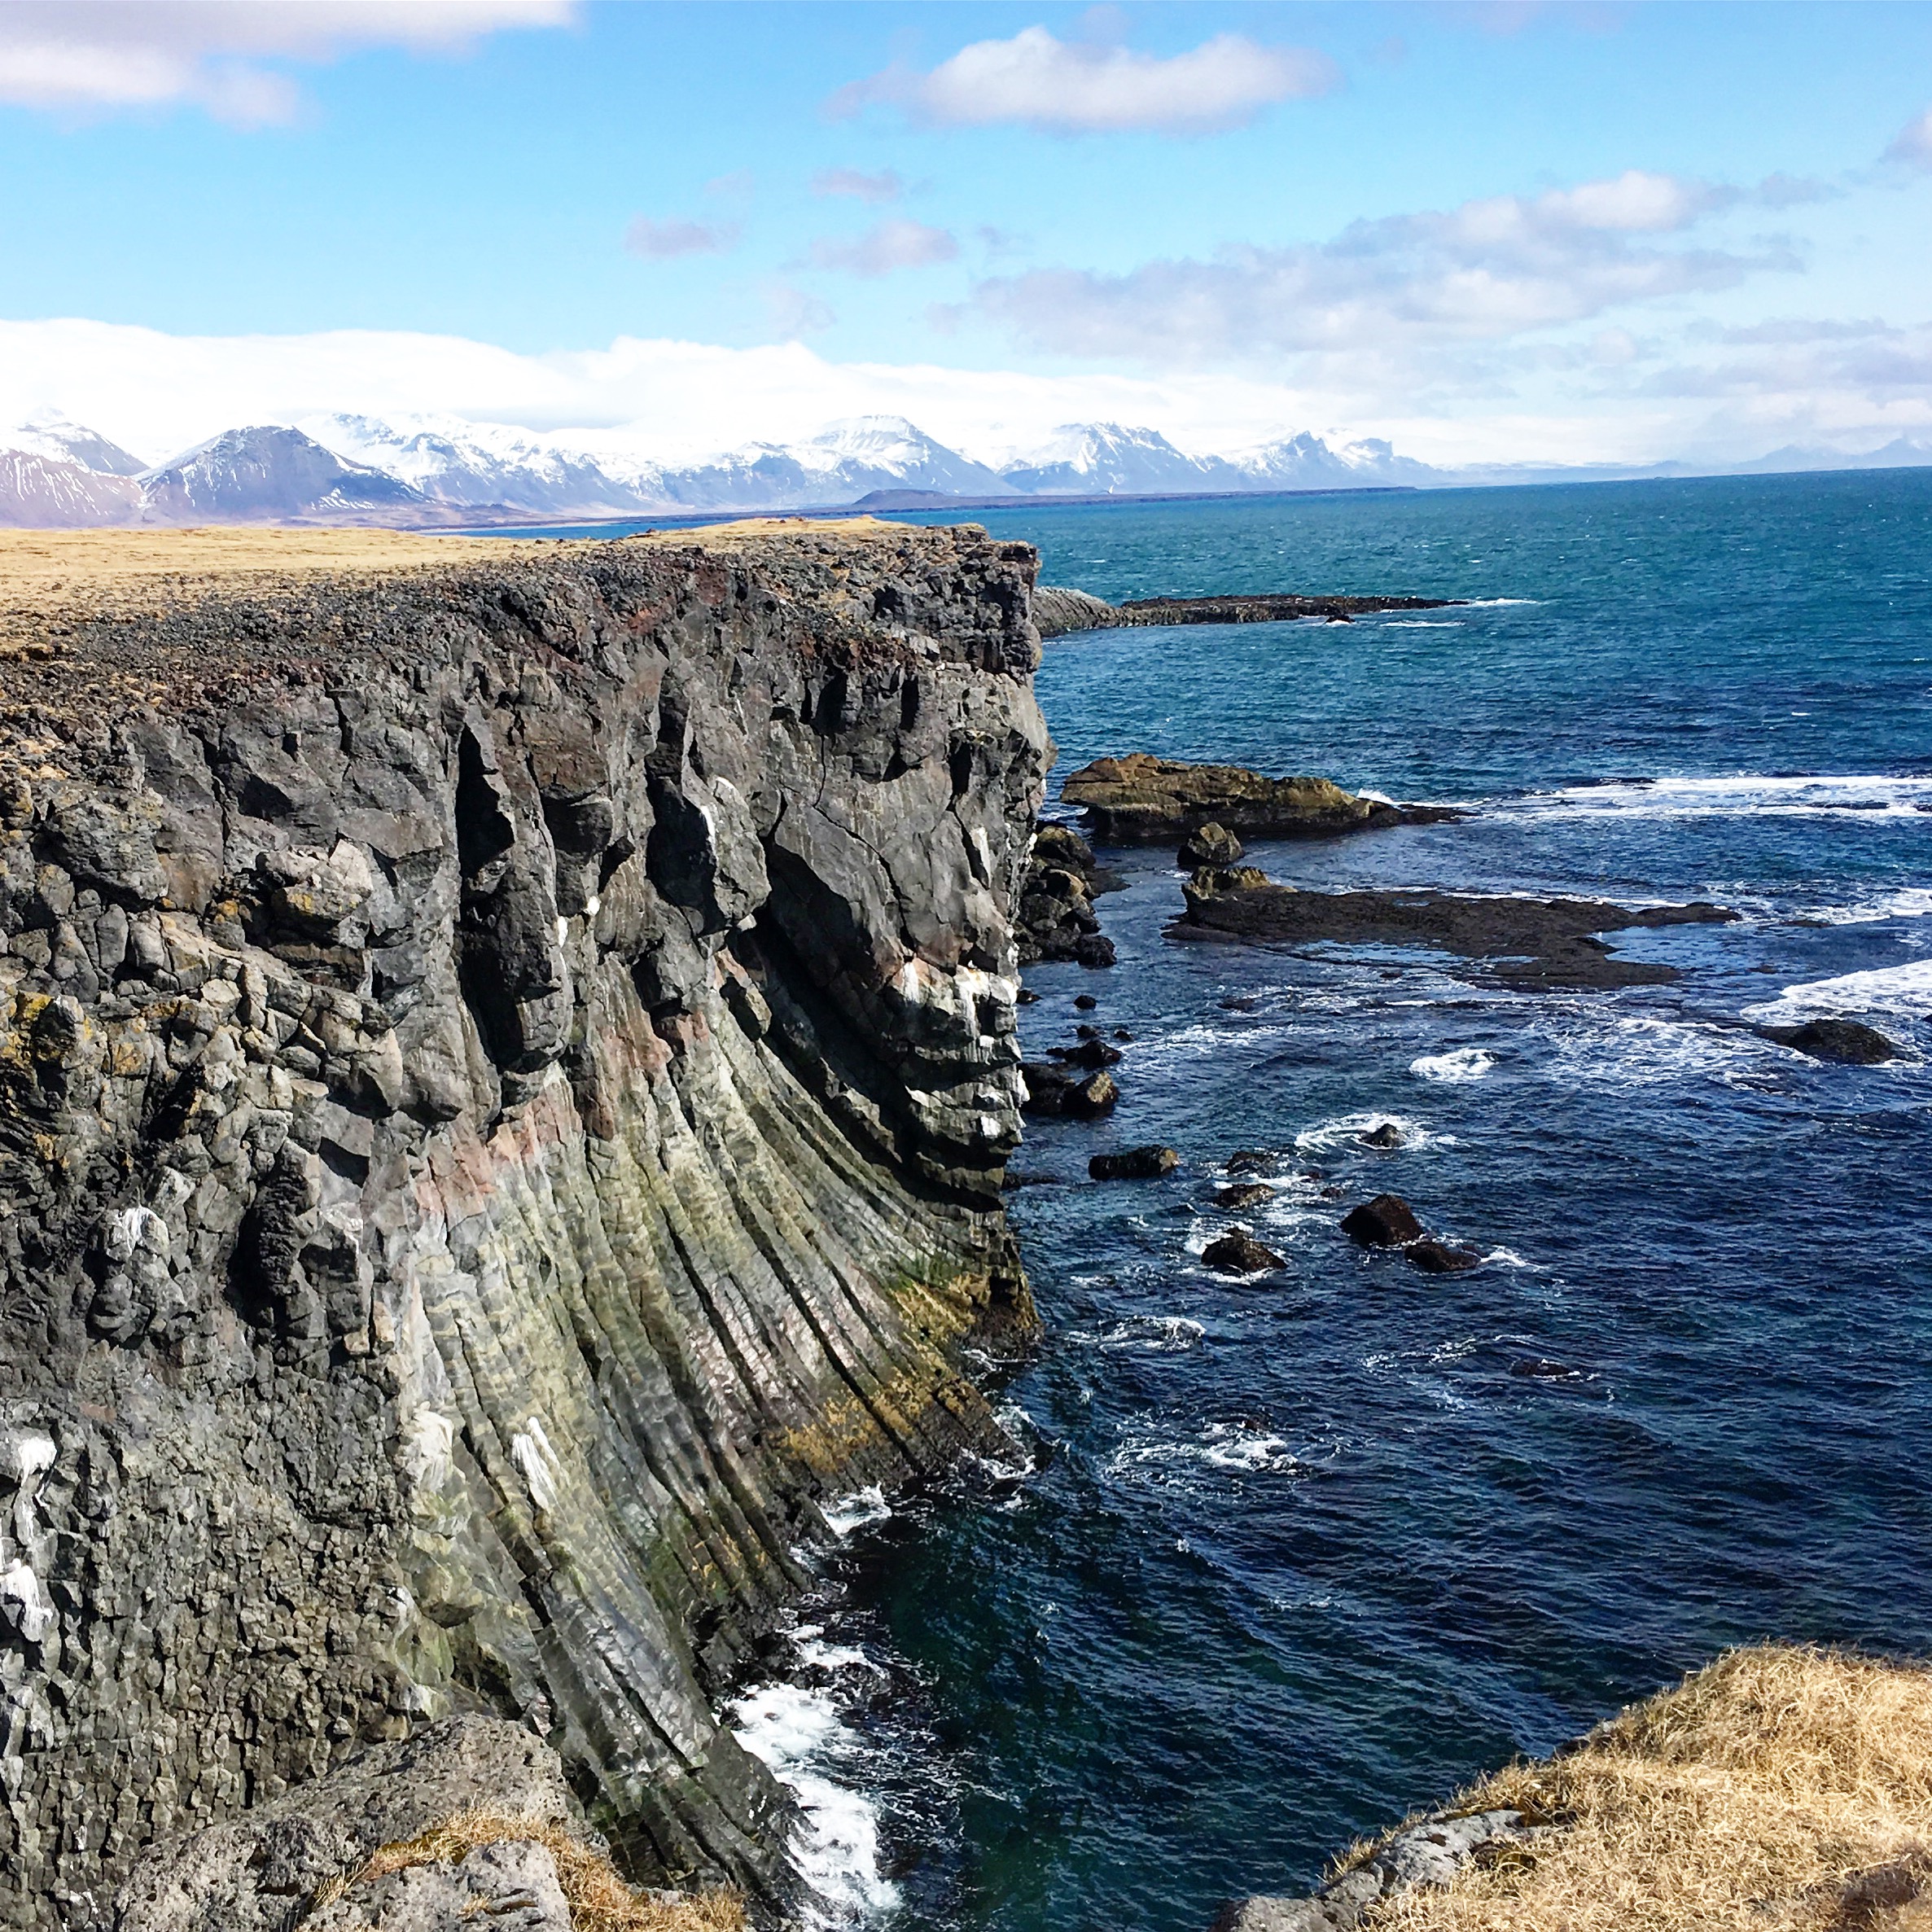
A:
[1287,1557]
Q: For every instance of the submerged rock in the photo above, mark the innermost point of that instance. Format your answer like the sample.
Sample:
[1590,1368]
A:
[1134,1164]
[1238,1253]
[1140,798]
[1436,1257]
[1529,943]
[1244,1194]
[1847,1042]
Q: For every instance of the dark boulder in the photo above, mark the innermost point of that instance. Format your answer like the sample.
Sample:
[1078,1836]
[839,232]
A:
[1845,1042]
[1085,1001]
[1056,920]
[1436,1257]
[1211,845]
[1384,1138]
[1134,1164]
[1090,1052]
[1053,1091]
[1238,1253]
[1388,1221]
[1249,1160]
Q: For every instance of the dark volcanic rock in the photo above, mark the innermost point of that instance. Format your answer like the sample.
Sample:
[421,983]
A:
[1238,1253]
[1053,1091]
[1057,611]
[1056,919]
[1213,845]
[1384,1138]
[1248,1159]
[1848,1042]
[508,1066]
[1529,943]
[1388,1221]
[1090,1052]
[1134,1164]
[1140,798]
[1436,1257]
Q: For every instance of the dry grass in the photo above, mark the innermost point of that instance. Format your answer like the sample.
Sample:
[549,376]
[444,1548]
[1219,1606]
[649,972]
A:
[1780,1788]
[598,1899]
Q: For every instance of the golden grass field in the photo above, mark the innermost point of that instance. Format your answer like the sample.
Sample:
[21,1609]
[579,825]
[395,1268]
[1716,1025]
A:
[1778,1790]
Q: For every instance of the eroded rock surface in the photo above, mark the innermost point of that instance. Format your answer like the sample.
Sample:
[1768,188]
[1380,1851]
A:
[505,1068]
[1141,799]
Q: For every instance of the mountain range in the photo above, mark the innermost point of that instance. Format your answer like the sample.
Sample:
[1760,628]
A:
[430,470]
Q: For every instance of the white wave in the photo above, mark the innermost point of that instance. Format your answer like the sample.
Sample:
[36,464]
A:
[1495,603]
[856,1511]
[1903,992]
[794,1730]
[1633,1050]
[1424,623]
[1912,902]
[1744,792]
[1157,1335]
[1238,1446]
[1459,1065]
[1347,1129]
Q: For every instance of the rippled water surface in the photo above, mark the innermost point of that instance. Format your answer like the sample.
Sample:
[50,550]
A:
[1288,1558]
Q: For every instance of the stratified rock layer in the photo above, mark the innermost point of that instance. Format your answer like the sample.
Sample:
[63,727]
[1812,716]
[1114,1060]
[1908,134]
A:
[506,1067]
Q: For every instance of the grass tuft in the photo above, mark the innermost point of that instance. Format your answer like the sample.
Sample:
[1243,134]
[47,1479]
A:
[1780,1789]
[599,1899]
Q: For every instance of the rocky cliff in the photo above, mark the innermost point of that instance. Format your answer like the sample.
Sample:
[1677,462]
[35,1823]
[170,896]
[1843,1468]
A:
[508,1056]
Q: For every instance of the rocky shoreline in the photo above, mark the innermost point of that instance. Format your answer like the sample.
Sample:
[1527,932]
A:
[1059,611]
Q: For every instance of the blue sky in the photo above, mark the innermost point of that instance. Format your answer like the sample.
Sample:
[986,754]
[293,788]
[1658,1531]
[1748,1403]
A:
[1554,232]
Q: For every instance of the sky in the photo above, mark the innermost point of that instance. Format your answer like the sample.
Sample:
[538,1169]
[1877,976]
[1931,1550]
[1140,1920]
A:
[1488,232]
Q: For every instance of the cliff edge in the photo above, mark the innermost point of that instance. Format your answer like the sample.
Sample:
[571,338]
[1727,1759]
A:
[507,1054]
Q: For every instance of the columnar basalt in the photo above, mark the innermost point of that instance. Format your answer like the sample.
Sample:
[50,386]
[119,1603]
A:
[507,1063]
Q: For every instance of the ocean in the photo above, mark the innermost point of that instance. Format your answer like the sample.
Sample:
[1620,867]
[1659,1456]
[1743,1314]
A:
[1277,1561]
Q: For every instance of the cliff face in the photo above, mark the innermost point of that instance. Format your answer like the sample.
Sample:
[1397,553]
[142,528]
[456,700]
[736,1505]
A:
[505,1070]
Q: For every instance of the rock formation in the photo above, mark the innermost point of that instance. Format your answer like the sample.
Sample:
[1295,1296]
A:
[1141,799]
[1056,919]
[508,1062]
[1060,611]
[1533,943]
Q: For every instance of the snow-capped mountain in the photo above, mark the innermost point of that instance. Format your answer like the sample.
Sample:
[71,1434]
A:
[49,435]
[1109,459]
[482,465]
[54,475]
[268,473]
[1305,462]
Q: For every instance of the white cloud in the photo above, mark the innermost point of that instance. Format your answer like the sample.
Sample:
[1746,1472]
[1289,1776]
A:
[108,55]
[652,240]
[1486,271]
[1071,87]
[884,247]
[861,187]
[1914,144]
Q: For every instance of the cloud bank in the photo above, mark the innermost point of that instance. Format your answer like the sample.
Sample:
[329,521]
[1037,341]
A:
[103,56]
[1069,87]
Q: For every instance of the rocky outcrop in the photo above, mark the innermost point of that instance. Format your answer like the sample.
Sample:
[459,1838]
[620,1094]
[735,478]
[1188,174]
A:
[1533,943]
[1212,845]
[1141,799]
[1060,611]
[506,1069]
[1845,1042]
[1056,918]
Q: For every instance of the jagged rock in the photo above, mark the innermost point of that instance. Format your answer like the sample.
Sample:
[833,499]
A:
[1848,1042]
[1250,1160]
[1134,1164]
[1053,1091]
[1246,1194]
[1057,918]
[244,1875]
[1388,1221]
[506,1061]
[1057,611]
[1426,1854]
[1384,1138]
[1212,845]
[1238,1253]
[1140,798]
[1436,1257]
[1212,882]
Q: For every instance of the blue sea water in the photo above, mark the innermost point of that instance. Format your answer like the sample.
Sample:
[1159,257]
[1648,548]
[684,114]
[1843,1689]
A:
[1284,1558]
